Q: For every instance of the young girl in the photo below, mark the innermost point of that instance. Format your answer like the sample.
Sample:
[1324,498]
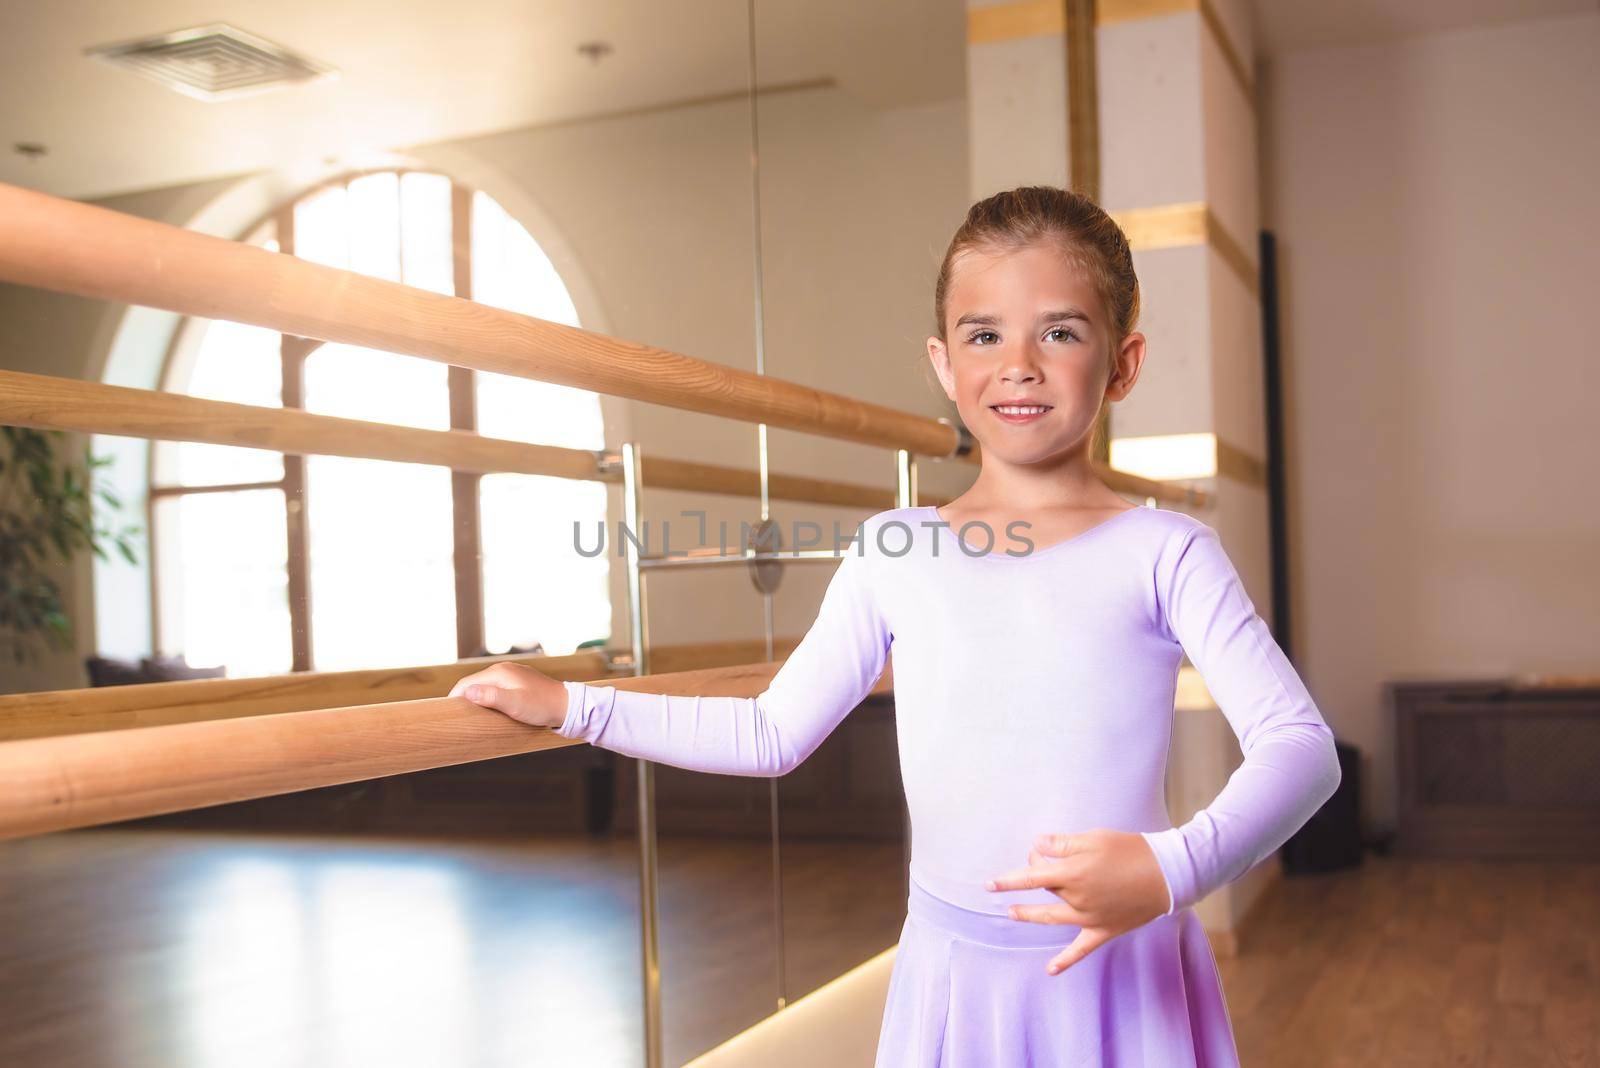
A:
[1038,623]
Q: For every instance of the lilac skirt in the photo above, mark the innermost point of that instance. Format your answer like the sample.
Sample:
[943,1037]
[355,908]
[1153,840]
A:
[969,990]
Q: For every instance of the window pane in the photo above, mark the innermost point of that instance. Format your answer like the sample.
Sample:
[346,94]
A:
[238,363]
[382,573]
[372,521]
[221,465]
[521,409]
[425,237]
[235,363]
[511,271]
[382,387]
[224,589]
[374,207]
[536,586]
[321,228]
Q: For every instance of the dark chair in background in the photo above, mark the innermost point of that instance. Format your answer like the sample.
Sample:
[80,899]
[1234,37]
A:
[114,671]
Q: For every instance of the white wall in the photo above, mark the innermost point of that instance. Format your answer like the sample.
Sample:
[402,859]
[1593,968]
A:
[1434,198]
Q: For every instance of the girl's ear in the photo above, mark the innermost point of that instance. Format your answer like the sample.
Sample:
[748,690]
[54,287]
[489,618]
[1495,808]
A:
[1130,358]
[939,356]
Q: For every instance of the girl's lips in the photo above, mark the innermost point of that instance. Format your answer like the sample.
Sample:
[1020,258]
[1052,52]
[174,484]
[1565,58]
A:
[1012,418]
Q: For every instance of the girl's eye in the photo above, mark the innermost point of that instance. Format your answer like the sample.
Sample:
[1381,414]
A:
[979,333]
[1063,330]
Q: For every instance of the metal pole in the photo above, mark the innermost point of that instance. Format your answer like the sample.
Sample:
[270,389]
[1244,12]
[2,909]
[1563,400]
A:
[632,508]
[905,496]
[763,477]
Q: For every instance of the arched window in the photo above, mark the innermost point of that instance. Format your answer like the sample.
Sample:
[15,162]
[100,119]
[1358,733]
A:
[267,563]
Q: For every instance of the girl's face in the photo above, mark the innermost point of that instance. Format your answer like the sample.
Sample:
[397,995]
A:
[1026,327]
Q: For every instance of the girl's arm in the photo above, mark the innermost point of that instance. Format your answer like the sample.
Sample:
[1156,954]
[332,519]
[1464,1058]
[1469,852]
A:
[829,673]
[1290,765]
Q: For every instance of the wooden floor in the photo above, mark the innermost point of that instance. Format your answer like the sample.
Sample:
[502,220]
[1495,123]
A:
[1422,962]
[184,949]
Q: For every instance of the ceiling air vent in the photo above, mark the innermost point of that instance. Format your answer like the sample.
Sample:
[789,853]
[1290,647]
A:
[212,62]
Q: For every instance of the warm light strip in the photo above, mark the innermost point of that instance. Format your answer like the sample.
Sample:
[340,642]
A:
[1007,22]
[1177,457]
[1109,12]
[756,1043]
[1181,225]
[1039,18]
[1166,456]
[1166,226]
[1192,694]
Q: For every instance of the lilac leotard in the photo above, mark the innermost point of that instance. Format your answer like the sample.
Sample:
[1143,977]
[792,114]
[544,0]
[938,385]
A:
[1034,693]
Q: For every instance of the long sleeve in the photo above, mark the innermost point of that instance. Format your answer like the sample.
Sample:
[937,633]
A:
[830,671]
[1290,765]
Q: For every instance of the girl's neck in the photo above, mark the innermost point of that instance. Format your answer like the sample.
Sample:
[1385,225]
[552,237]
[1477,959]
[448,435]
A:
[1067,483]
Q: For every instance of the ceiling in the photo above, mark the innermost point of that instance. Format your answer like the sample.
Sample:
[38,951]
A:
[419,71]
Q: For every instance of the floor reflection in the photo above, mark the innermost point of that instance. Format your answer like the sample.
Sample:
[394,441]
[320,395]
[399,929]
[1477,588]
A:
[178,949]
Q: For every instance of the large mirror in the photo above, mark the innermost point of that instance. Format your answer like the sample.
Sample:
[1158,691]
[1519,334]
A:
[589,165]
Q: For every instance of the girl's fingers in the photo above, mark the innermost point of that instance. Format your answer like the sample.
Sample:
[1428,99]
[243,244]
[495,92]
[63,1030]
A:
[1057,845]
[1089,939]
[460,688]
[1048,914]
[1049,876]
[1022,879]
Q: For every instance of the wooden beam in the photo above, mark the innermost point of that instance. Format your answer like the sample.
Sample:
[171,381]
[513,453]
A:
[111,708]
[1181,225]
[467,540]
[1112,12]
[1009,21]
[1242,76]
[1083,99]
[59,783]
[51,403]
[94,252]
[1239,466]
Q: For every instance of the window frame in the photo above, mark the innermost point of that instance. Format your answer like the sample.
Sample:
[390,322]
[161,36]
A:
[294,351]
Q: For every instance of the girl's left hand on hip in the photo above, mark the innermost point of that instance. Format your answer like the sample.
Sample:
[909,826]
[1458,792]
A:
[1109,883]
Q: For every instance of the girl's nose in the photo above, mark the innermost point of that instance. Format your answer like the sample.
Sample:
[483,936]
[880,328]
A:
[1020,368]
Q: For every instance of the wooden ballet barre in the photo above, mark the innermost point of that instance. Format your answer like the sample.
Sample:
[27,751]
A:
[57,784]
[46,402]
[58,244]
[55,713]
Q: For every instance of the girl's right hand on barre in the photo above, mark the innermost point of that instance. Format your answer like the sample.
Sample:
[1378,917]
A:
[518,691]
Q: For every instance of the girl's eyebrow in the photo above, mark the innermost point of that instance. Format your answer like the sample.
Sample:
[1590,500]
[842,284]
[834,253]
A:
[1060,316]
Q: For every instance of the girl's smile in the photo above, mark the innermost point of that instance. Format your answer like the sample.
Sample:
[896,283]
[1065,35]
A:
[1020,414]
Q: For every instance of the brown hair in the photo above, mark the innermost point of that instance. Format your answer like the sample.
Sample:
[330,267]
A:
[1082,230]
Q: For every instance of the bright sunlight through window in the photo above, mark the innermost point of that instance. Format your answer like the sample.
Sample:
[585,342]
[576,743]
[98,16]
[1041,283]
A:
[379,561]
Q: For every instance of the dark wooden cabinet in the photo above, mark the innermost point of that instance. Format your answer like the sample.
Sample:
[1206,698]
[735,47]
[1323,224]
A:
[1494,768]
